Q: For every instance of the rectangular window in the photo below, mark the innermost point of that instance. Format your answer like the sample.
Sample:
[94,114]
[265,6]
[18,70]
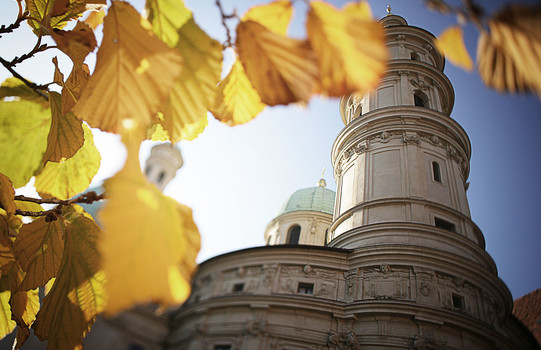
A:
[222,347]
[444,224]
[458,301]
[238,287]
[436,172]
[305,288]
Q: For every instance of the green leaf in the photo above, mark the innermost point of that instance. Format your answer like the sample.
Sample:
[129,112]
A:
[72,176]
[24,126]
[13,87]
[77,295]
[167,16]
[39,247]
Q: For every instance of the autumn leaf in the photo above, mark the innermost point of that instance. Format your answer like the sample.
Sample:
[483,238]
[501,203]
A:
[13,87]
[7,256]
[71,88]
[451,44]
[146,239]
[185,115]
[282,70]
[24,126]
[39,248]
[274,16]
[133,75]
[76,43]
[508,57]
[237,102]
[95,18]
[54,14]
[7,325]
[350,48]
[77,295]
[66,135]
[24,306]
[73,175]
[7,195]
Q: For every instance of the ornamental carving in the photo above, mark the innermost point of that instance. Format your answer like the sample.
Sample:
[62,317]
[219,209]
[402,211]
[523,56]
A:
[411,138]
[419,84]
[428,343]
[343,341]
[400,37]
[386,282]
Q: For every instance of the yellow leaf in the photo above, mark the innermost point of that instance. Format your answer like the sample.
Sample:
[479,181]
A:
[282,70]
[237,102]
[134,73]
[147,239]
[350,48]
[274,16]
[77,295]
[7,325]
[167,17]
[76,43]
[185,114]
[66,135]
[24,306]
[359,9]
[39,248]
[508,57]
[72,176]
[95,18]
[24,126]
[451,44]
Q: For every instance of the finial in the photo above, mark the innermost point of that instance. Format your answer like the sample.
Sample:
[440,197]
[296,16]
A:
[388,10]
[322,182]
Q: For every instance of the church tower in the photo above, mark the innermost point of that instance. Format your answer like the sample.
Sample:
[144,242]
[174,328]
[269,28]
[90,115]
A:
[401,164]
[162,164]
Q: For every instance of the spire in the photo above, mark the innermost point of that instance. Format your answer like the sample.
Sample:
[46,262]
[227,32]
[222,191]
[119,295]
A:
[388,10]
[322,182]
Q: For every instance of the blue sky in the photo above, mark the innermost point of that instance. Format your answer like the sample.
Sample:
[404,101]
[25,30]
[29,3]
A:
[236,179]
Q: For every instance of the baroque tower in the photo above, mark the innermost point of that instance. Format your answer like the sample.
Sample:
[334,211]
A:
[401,165]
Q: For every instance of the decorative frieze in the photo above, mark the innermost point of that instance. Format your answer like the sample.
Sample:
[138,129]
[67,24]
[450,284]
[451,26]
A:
[343,340]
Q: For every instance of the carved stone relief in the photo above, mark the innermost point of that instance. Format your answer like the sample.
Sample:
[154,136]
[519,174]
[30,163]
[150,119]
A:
[386,282]
[428,343]
[343,340]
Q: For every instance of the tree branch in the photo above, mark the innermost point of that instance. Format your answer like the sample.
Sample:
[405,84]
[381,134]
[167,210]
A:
[37,88]
[88,198]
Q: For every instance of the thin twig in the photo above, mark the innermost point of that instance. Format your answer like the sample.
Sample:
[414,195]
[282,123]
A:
[20,18]
[37,88]
[225,17]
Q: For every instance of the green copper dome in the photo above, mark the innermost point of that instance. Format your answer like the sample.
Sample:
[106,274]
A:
[310,199]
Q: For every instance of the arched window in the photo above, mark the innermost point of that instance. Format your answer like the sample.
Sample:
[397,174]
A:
[415,56]
[161,176]
[420,99]
[293,234]
[436,172]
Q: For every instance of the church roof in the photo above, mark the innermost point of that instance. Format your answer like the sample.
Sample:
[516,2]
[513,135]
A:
[310,199]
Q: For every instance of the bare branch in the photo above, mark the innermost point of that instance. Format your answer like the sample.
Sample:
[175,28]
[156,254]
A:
[225,17]
[37,88]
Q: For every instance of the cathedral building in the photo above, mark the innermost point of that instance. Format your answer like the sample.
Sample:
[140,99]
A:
[391,261]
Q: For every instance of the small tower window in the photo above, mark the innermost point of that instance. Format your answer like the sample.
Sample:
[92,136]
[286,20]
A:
[436,172]
[415,56]
[458,302]
[420,99]
[294,235]
[148,169]
[305,288]
[222,347]
[444,224]
[161,176]
[238,287]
